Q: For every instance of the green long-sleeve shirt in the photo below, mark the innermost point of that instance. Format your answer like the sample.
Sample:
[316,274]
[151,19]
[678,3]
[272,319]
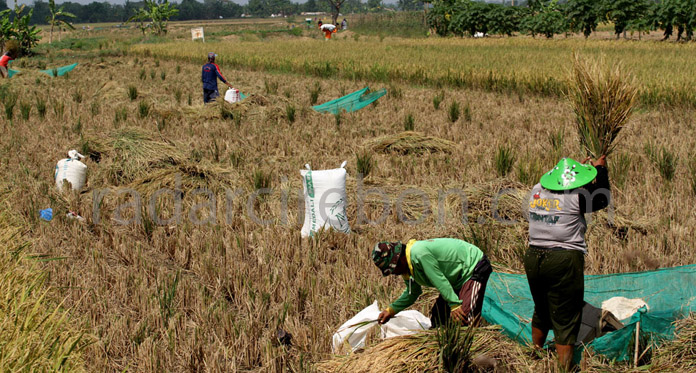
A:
[443,263]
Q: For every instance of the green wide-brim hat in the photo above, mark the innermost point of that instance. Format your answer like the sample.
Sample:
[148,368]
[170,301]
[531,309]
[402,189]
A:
[568,174]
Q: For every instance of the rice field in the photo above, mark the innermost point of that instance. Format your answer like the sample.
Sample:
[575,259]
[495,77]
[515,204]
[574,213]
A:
[517,65]
[134,288]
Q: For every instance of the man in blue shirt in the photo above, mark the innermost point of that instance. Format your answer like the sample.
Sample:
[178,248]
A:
[210,75]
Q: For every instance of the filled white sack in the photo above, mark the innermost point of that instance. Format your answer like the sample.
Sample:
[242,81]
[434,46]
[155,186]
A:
[404,323]
[72,170]
[325,200]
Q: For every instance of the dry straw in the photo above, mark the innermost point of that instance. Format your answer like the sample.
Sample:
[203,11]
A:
[603,100]
[409,142]
[423,352]
[129,153]
[679,355]
[147,162]
[36,328]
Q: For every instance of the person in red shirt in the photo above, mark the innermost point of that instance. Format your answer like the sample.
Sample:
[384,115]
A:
[4,60]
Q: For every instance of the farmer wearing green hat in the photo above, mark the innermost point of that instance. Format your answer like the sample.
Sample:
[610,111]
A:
[457,269]
[555,259]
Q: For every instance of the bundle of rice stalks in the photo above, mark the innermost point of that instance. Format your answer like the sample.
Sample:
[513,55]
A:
[129,153]
[167,113]
[207,112]
[409,142]
[184,177]
[429,351]
[252,105]
[111,91]
[603,100]
[500,198]
[258,105]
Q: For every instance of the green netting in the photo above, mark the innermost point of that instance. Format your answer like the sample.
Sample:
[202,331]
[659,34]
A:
[11,73]
[670,294]
[351,102]
[60,71]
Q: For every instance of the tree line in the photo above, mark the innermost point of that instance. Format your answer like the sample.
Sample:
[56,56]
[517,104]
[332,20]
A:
[552,17]
[96,12]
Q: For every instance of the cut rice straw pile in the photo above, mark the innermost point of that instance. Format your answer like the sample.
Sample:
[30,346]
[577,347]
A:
[603,100]
[409,142]
[679,355]
[129,153]
[253,105]
[420,353]
[185,177]
[146,162]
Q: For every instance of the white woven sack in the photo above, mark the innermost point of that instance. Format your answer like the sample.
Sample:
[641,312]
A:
[622,307]
[325,200]
[232,96]
[72,170]
[354,331]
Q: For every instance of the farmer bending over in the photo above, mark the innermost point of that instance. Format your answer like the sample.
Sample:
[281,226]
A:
[555,260]
[4,61]
[211,73]
[328,29]
[457,269]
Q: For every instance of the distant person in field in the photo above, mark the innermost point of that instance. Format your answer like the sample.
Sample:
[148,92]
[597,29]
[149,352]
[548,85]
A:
[4,61]
[211,73]
[457,269]
[344,24]
[555,259]
[327,29]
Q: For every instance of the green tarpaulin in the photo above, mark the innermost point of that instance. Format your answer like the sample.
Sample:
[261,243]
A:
[669,293]
[11,73]
[351,102]
[60,71]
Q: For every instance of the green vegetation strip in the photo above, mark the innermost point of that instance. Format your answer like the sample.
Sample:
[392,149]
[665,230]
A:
[297,31]
[663,71]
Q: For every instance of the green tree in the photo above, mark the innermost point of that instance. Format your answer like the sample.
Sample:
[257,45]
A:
[648,20]
[335,9]
[471,17]
[685,18]
[190,9]
[374,5]
[310,6]
[6,31]
[622,12]
[157,12]
[440,15]
[544,17]
[56,19]
[667,16]
[18,26]
[409,5]
[583,16]
[505,20]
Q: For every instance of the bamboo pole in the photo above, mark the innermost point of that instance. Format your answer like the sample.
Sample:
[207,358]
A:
[637,347]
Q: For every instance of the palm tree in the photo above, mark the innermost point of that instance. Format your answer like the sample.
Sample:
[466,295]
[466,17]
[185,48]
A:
[55,18]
